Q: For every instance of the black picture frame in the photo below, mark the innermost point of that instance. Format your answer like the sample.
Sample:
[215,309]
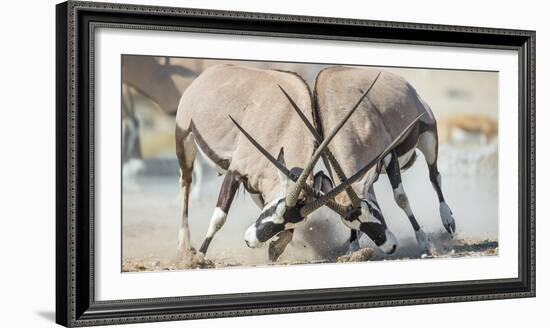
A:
[75,302]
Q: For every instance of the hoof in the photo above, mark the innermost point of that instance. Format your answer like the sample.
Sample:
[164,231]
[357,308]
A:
[390,245]
[277,247]
[194,260]
[447,218]
[422,242]
[353,247]
[186,254]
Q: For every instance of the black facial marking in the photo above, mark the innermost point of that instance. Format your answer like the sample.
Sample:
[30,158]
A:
[353,214]
[322,182]
[375,231]
[296,172]
[292,214]
[266,230]
[376,213]
[268,212]
[352,235]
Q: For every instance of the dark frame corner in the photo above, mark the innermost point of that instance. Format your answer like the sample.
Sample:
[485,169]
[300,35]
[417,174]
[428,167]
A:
[75,304]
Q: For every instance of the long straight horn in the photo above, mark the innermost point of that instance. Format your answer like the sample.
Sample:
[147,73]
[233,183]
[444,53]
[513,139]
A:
[292,197]
[327,154]
[261,149]
[314,205]
[339,209]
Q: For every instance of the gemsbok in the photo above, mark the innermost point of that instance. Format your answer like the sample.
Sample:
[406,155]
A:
[203,125]
[390,106]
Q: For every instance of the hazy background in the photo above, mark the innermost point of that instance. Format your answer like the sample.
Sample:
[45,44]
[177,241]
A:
[464,102]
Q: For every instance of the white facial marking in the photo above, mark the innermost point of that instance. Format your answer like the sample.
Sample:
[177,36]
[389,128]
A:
[216,222]
[250,237]
[366,215]
[374,205]
[285,184]
[387,160]
[390,245]
[277,216]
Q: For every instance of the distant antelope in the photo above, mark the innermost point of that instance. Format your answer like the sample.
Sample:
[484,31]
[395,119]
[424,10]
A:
[388,109]
[131,144]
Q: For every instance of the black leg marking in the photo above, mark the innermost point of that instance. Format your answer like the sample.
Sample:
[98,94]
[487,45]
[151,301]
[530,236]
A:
[205,244]
[428,144]
[394,174]
[228,190]
[435,178]
[352,235]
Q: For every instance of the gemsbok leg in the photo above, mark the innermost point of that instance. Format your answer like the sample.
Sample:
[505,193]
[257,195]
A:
[228,189]
[428,145]
[186,152]
[279,244]
[370,198]
[391,164]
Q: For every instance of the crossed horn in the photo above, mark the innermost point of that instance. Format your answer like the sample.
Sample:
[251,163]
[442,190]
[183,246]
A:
[327,154]
[341,210]
[314,205]
[322,150]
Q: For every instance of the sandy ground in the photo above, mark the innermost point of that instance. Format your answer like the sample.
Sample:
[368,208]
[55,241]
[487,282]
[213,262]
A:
[152,211]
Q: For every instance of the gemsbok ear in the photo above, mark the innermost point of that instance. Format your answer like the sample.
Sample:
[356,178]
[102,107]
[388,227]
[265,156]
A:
[281,156]
[285,184]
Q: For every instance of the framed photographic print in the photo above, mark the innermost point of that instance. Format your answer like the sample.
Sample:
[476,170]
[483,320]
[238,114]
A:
[214,163]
